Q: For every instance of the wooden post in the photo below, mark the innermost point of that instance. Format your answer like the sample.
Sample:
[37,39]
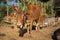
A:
[18,4]
[7,9]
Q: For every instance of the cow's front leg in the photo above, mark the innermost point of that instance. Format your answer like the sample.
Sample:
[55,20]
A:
[37,26]
[30,28]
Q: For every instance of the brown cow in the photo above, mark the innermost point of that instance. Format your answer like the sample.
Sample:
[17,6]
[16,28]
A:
[33,13]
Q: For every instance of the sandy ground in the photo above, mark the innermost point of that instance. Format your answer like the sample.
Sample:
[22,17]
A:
[12,34]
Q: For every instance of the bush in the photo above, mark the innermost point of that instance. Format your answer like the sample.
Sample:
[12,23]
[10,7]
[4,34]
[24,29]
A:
[1,18]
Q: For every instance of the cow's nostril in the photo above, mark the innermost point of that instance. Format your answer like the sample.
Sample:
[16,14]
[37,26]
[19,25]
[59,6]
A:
[18,26]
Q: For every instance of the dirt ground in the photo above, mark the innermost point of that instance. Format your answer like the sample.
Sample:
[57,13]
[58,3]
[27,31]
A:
[7,33]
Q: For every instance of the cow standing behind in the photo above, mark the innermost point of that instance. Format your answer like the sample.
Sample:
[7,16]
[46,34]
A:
[33,13]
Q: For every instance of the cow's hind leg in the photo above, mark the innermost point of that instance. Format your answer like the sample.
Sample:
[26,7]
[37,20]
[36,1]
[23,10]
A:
[38,25]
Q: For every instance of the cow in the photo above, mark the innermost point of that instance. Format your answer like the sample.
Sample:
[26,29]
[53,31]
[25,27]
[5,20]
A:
[33,13]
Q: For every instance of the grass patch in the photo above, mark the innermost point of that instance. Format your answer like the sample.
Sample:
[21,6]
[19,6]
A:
[55,25]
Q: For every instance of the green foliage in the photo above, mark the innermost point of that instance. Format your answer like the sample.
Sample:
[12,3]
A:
[56,3]
[55,25]
[48,8]
[2,11]
[0,8]
[32,1]
[1,18]
[5,1]
[11,9]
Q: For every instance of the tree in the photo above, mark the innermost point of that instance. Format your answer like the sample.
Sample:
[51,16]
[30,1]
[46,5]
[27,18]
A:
[6,2]
[11,9]
[3,1]
[2,11]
